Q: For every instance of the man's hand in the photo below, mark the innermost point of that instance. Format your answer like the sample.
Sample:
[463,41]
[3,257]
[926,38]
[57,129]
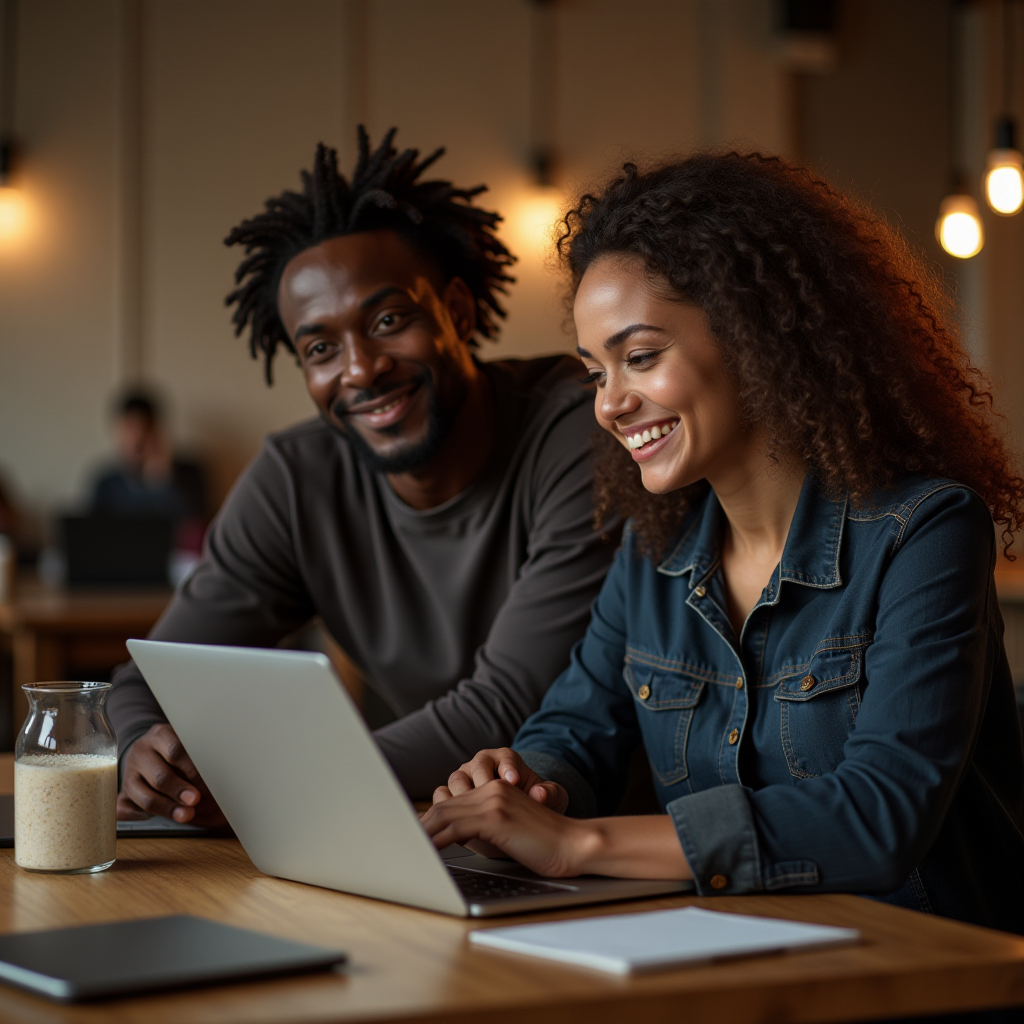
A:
[160,778]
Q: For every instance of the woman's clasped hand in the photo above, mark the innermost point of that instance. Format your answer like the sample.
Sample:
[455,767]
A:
[505,809]
[499,807]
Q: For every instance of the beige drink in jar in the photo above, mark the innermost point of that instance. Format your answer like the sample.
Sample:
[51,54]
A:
[64,812]
[65,780]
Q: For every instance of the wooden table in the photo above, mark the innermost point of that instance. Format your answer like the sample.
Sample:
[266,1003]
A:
[410,965]
[53,629]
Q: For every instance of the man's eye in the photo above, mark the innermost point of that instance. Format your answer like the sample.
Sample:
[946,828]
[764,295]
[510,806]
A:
[316,350]
[389,320]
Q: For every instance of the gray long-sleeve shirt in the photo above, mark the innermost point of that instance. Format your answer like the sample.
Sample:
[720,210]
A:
[460,616]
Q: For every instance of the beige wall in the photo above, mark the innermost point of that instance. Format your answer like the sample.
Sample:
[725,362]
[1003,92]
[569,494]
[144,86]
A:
[57,288]
[999,284]
[879,125]
[151,126]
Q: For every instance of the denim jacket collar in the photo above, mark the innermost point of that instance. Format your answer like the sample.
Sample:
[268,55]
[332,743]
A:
[810,557]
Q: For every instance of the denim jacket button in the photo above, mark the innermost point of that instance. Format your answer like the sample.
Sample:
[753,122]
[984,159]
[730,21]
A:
[733,737]
[644,692]
[739,682]
[806,683]
[718,881]
[700,591]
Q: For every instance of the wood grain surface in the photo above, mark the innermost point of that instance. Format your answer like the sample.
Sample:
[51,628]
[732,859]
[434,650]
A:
[410,965]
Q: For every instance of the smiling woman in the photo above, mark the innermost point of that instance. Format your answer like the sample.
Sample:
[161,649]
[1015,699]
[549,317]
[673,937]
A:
[801,626]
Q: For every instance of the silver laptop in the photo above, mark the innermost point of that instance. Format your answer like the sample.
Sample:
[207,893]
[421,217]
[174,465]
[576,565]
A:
[287,756]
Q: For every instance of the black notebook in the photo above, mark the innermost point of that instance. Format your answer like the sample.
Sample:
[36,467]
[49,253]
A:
[98,961]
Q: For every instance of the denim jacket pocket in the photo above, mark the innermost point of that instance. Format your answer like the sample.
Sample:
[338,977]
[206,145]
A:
[665,700]
[818,705]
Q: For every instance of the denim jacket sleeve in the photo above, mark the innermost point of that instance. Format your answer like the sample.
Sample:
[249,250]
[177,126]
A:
[587,722]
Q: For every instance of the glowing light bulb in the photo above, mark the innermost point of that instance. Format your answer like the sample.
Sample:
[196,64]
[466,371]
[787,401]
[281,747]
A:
[958,228]
[1004,181]
[532,217]
[13,213]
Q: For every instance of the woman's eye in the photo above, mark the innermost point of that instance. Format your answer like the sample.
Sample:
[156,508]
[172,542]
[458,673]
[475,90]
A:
[594,377]
[640,358]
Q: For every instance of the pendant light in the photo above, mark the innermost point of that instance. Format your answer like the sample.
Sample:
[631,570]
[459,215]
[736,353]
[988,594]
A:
[958,227]
[13,208]
[1004,172]
[536,209]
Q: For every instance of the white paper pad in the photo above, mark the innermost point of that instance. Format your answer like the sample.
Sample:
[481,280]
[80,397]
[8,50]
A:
[629,943]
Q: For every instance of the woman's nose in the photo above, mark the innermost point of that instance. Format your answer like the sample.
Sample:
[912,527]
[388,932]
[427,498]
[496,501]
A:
[615,400]
[365,364]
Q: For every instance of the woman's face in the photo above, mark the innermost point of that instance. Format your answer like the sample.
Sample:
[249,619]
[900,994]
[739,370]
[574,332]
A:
[662,390]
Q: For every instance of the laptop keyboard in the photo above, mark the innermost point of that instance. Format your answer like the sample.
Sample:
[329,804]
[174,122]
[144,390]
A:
[482,885]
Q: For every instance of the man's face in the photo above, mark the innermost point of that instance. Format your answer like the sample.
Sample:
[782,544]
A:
[133,432]
[382,341]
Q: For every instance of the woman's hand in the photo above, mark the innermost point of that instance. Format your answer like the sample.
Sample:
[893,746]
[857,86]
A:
[503,763]
[497,818]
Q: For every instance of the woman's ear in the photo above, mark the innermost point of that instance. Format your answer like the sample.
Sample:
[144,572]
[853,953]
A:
[461,306]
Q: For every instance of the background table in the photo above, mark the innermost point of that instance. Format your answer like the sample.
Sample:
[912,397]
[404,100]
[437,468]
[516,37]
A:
[410,965]
[52,630]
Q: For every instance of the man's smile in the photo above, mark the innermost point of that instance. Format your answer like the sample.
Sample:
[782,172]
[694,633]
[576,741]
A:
[383,411]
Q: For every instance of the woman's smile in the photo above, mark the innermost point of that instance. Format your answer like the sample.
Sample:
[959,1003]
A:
[647,441]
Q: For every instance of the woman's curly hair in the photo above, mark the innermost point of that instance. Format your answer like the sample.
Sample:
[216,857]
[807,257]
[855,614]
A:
[841,340]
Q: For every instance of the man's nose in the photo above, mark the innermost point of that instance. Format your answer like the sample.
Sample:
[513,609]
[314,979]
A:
[364,364]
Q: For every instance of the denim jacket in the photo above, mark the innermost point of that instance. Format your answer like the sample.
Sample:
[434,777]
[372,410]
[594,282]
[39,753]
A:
[859,735]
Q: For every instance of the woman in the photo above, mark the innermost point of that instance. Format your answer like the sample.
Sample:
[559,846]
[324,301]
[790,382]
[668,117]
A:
[801,626]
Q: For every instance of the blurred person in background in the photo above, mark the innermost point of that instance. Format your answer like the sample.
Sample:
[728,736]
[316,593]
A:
[147,478]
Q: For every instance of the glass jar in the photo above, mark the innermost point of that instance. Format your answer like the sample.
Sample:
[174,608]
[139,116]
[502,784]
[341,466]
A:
[65,780]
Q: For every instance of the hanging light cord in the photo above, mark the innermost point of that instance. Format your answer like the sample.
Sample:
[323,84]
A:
[1008,42]
[10,73]
[952,100]
[8,83]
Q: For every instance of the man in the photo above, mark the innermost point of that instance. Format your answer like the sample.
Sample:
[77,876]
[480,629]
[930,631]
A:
[147,478]
[437,514]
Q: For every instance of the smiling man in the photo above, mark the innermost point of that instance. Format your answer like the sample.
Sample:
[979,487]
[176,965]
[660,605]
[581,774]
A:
[436,514]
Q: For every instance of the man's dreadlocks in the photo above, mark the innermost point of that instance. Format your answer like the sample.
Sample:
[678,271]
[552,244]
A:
[437,218]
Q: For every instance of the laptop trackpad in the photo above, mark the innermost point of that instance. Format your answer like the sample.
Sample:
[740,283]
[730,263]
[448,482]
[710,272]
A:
[454,852]
[464,858]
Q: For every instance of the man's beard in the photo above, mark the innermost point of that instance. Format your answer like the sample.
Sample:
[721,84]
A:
[409,457]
